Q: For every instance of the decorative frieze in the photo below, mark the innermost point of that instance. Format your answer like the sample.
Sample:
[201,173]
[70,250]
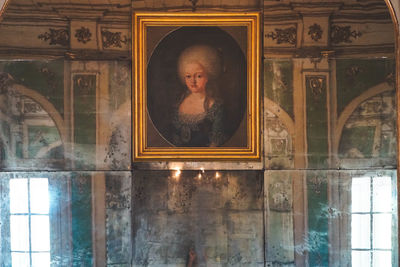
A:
[113,39]
[315,32]
[31,107]
[83,35]
[56,37]
[343,34]
[286,35]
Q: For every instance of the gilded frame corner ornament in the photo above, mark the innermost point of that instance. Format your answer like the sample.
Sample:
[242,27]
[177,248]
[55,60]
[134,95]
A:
[147,37]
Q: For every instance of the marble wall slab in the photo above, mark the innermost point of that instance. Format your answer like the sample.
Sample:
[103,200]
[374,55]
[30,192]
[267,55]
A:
[217,214]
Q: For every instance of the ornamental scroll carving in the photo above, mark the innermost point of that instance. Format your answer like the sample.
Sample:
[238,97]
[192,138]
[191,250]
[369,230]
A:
[113,39]
[84,83]
[31,107]
[343,34]
[315,32]
[83,35]
[286,35]
[316,84]
[56,37]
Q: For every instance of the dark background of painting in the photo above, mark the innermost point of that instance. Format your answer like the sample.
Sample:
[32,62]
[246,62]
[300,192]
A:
[164,88]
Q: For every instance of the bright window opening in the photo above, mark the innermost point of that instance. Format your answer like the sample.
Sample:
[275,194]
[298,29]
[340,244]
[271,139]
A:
[29,222]
[371,221]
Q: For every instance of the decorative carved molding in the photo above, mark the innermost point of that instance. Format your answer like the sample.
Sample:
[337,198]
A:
[315,61]
[287,35]
[315,32]
[114,39]
[84,83]
[308,52]
[96,55]
[56,37]
[316,84]
[83,35]
[32,107]
[342,34]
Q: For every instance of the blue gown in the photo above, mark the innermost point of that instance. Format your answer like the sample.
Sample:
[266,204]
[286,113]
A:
[199,130]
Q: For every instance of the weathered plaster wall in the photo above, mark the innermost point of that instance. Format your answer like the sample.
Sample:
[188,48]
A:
[328,103]
[220,218]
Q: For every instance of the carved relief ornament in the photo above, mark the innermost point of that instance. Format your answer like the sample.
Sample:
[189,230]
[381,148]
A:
[56,37]
[286,35]
[315,32]
[84,83]
[113,39]
[316,84]
[83,35]
[31,107]
[343,34]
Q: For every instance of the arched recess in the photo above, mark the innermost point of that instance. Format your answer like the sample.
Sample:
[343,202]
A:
[46,105]
[281,114]
[279,137]
[351,107]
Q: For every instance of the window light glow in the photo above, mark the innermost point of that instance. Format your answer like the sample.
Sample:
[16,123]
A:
[29,222]
[371,221]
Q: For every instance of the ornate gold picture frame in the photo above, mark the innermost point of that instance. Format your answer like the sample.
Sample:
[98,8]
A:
[196,86]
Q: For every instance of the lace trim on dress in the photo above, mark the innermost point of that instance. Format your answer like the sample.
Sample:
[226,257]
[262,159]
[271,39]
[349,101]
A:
[206,125]
[191,118]
[194,119]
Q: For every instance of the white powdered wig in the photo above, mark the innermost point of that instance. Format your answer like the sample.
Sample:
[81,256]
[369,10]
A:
[204,55]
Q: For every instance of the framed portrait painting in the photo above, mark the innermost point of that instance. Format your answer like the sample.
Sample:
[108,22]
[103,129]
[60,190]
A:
[196,86]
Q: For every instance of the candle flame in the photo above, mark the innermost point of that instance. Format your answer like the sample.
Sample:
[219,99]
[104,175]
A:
[177,174]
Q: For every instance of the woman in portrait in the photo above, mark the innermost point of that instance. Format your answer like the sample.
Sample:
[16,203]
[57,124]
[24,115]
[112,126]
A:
[198,119]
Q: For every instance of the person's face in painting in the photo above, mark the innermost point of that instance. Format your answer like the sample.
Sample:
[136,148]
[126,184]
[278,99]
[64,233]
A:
[195,77]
